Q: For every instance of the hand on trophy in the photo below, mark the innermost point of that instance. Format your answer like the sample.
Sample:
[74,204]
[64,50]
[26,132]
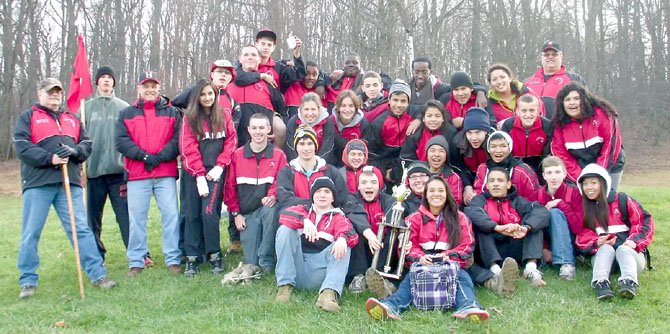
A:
[373,242]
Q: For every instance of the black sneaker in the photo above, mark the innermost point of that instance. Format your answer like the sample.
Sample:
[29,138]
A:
[217,263]
[627,288]
[603,290]
[191,266]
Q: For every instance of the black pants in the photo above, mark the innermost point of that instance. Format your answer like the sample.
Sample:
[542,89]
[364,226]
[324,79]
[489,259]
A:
[114,186]
[201,217]
[232,229]
[361,257]
[494,247]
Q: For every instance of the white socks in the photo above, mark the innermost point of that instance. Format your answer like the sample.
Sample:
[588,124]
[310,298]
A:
[495,269]
[530,266]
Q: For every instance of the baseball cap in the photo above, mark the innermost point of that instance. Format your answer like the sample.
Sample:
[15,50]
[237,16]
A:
[148,76]
[49,84]
[266,33]
[551,45]
[221,63]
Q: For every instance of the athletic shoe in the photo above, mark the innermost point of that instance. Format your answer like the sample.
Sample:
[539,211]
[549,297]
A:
[510,275]
[284,293]
[191,267]
[535,277]
[357,284]
[627,288]
[473,314]
[380,311]
[377,284]
[327,301]
[217,263]
[148,261]
[603,290]
[104,283]
[27,291]
[567,272]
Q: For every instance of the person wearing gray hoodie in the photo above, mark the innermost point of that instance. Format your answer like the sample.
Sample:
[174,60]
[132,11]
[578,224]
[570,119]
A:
[312,113]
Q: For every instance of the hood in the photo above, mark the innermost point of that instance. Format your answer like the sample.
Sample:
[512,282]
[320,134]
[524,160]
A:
[346,150]
[323,114]
[295,164]
[595,170]
[358,117]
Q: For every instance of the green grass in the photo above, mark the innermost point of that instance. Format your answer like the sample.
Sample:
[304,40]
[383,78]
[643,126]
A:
[157,302]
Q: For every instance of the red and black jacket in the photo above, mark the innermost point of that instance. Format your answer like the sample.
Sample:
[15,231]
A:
[344,83]
[487,212]
[466,158]
[356,129]
[379,208]
[501,111]
[387,134]
[531,145]
[523,177]
[548,89]
[249,179]
[595,139]
[429,235]
[283,74]
[373,108]
[215,148]
[332,226]
[325,136]
[38,133]
[450,174]
[293,95]
[639,228]
[455,109]
[350,174]
[414,147]
[149,127]
[570,203]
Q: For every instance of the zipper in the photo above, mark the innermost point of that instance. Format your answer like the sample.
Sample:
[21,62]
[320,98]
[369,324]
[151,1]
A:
[527,135]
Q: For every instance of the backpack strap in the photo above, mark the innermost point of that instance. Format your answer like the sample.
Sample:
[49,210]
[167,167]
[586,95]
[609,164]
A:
[623,208]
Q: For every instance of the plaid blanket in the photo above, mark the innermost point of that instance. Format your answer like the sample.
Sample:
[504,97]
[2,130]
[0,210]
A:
[434,287]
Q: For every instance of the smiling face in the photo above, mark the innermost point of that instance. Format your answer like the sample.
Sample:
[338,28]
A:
[498,184]
[437,157]
[572,104]
[368,186]
[500,81]
[249,58]
[417,182]
[306,149]
[51,98]
[352,66]
[554,176]
[462,94]
[206,98]
[309,111]
[323,198]
[398,103]
[592,187]
[498,149]
[436,194]
[149,90]
[258,130]
[420,73]
[347,110]
[372,87]
[433,118]
[266,46]
[527,113]
[551,61]
[356,158]
[476,137]
[311,75]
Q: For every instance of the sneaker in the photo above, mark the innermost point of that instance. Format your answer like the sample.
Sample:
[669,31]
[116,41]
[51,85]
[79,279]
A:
[473,314]
[148,261]
[627,288]
[284,293]
[510,275]
[134,271]
[217,263]
[328,301]
[495,284]
[603,290]
[567,272]
[380,311]
[104,283]
[377,284]
[249,271]
[27,291]
[535,277]
[191,266]
[357,284]
[235,247]
[174,269]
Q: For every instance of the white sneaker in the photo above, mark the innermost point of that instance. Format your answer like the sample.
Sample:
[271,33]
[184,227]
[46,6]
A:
[535,277]
[567,272]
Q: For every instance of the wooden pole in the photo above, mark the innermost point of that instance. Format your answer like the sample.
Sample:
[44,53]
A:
[75,242]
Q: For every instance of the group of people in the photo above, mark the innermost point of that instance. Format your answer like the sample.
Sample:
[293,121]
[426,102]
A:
[500,180]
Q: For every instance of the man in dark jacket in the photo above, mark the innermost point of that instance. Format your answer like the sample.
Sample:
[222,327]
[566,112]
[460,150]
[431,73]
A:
[147,136]
[46,137]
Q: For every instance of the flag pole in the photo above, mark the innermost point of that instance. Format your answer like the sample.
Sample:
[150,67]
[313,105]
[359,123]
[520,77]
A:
[73,227]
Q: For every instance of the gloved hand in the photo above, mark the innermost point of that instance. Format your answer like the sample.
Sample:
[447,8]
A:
[65,151]
[203,188]
[214,174]
[151,161]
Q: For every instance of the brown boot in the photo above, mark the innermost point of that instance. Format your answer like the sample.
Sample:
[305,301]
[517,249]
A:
[284,293]
[328,301]
[174,269]
[377,284]
[235,247]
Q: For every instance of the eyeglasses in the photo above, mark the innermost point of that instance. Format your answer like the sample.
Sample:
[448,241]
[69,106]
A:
[551,54]
[418,177]
[221,71]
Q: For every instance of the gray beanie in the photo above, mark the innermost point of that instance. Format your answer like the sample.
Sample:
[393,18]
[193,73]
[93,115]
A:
[400,86]
[440,141]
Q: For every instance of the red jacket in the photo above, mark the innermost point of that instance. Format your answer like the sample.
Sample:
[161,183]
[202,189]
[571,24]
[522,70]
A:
[639,227]
[373,111]
[429,235]
[149,127]
[570,204]
[332,226]
[350,174]
[595,139]
[249,180]
[414,147]
[487,212]
[523,177]
[387,133]
[199,154]
[548,89]
[455,183]
[455,109]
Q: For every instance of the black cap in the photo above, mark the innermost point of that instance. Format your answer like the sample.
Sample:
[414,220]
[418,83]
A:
[266,33]
[551,45]
[102,70]
[460,79]
[322,182]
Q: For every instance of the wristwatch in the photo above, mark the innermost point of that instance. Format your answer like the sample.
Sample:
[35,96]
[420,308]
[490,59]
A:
[528,228]
[235,213]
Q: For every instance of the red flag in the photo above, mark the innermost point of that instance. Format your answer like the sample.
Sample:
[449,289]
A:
[80,81]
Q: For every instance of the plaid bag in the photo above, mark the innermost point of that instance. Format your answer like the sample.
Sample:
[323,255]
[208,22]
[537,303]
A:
[434,287]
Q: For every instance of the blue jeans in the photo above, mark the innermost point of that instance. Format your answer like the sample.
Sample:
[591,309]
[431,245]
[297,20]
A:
[258,239]
[400,301]
[562,251]
[36,204]
[308,270]
[139,198]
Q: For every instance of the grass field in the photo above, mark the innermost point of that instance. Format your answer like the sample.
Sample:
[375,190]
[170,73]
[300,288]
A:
[157,302]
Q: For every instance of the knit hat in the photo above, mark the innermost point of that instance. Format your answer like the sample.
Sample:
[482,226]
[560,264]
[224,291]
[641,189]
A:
[322,182]
[102,70]
[460,79]
[476,119]
[356,145]
[400,86]
[418,167]
[499,134]
[440,141]
[305,131]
